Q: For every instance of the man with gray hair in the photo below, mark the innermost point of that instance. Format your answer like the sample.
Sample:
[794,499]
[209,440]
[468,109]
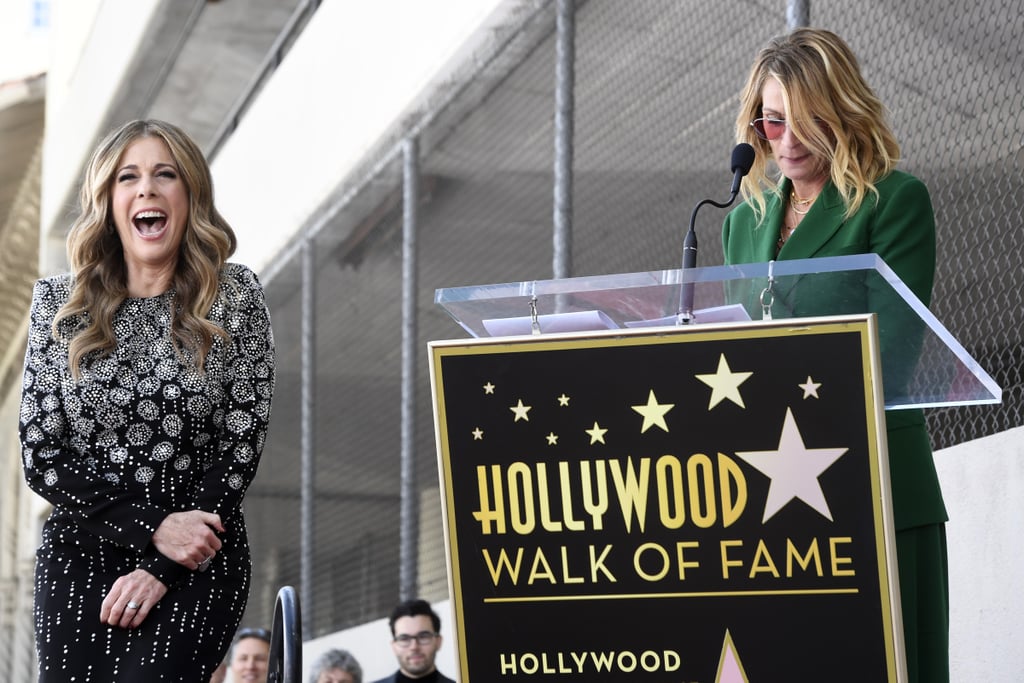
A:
[336,666]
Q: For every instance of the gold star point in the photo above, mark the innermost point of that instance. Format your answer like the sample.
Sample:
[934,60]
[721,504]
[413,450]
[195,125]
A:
[520,411]
[725,384]
[654,413]
[596,434]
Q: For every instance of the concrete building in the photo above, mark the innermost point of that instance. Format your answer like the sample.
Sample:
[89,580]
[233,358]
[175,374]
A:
[312,112]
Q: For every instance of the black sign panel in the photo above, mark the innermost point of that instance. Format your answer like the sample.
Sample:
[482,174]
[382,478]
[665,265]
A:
[705,506]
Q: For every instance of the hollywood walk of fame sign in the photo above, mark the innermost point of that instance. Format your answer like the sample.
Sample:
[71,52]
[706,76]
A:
[698,505]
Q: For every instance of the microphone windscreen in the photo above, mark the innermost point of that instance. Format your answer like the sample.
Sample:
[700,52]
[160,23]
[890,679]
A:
[742,158]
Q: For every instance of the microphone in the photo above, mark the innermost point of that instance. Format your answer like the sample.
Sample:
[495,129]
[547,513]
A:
[741,161]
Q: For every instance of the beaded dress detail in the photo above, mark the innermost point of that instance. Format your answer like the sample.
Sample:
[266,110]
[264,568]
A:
[139,435]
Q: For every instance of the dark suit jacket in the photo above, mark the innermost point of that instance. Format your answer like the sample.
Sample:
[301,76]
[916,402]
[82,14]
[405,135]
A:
[899,226]
[441,678]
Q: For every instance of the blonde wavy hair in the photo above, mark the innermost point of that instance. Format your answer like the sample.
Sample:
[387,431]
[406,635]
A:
[830,108]
[99,274]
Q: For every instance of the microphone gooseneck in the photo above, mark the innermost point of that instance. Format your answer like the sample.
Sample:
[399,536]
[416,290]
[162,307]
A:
[741,161]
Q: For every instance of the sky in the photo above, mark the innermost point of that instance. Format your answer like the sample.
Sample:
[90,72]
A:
[24,38]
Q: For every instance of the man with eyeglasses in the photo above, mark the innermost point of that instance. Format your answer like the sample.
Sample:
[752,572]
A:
[416,638]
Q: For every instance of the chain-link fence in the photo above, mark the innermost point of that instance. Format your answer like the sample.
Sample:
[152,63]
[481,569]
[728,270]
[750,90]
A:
[656,92]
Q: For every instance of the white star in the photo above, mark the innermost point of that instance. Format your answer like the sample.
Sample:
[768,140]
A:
[653,412]
[488,388]
[596,434]
[563,400]
[521,411]
[794,470]
[478,434]
[810,387]
[552,438]
[725,384]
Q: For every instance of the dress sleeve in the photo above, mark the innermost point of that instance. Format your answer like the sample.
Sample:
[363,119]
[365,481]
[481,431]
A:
[169,572]
[53,468]
[248,389]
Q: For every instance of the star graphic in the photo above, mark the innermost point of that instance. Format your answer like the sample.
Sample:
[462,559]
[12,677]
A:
[794,470]
[488,388]
[521,411]
[552,439]
[725,384]
[810,387]
[654,413]
[563,400]
[478,434]
[730,668]
[596,434]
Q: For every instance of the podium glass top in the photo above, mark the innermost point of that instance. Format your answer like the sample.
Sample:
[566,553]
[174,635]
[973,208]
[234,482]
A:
[923,365]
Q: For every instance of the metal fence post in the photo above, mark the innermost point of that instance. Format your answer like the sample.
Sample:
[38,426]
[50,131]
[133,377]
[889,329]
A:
[308,420]
[565,77]
[409,521]
[798,13]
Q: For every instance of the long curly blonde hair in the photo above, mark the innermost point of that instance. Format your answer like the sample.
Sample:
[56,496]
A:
[830,108]
[96,256]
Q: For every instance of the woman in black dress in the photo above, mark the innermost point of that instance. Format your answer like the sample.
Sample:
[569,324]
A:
[149,373]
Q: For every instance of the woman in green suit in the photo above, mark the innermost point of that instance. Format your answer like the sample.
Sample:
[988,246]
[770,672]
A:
[807,109]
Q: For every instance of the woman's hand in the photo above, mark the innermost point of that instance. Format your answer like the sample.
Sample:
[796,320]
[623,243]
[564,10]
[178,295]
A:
[130,598]
[188,538]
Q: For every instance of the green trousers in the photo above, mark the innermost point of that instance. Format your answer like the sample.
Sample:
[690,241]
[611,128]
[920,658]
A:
[924,596]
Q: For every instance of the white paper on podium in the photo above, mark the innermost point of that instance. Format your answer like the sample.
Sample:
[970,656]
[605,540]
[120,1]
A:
[731,313]
[577,321]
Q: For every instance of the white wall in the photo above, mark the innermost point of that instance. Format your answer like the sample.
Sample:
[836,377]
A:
[983,484]
[356,68]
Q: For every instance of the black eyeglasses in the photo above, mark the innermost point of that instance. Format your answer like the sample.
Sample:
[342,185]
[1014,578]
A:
[422,638]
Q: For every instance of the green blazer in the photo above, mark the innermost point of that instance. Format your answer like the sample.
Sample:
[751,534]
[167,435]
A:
[899,226]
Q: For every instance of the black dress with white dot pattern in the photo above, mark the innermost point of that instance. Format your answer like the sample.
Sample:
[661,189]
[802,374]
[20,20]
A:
[140,435]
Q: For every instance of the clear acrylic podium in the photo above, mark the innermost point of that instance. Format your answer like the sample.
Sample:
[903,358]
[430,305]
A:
[923,365]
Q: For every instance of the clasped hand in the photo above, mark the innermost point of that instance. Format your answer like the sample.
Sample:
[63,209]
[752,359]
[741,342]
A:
[189,539]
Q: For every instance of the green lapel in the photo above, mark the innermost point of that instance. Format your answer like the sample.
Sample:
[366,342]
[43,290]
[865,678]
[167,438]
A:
[818,227]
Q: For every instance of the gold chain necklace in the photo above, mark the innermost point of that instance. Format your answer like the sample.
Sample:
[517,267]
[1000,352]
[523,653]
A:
[787,230]
[795,201]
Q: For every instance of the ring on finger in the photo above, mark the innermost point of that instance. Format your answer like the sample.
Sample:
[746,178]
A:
[205,564]
[133,605]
